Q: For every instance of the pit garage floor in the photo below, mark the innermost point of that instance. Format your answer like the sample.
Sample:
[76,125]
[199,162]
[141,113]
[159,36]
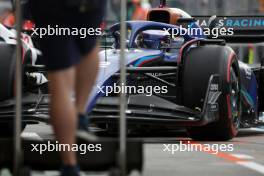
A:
[247,158]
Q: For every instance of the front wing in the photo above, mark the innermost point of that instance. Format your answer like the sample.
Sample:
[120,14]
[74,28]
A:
[141,109]
[153,110]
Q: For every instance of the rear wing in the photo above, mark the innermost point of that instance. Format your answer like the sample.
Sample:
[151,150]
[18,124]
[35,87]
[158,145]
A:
[246,29]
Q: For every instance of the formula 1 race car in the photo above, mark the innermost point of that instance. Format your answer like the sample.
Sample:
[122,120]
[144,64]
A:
[209,91]
[173,80]
[34,79]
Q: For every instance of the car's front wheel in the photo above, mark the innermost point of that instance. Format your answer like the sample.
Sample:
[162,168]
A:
[200,64]
[7,71]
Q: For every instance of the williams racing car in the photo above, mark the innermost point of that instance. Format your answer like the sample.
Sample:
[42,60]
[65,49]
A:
[193,81]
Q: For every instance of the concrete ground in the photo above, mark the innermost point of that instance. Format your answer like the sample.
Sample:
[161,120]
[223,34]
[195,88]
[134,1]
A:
[246,157]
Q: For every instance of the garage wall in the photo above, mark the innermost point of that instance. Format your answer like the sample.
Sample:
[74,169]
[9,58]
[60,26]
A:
[218,7]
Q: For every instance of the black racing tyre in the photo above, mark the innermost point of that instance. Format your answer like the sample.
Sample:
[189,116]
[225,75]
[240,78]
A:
[200,64]
[7,129]
[7,71]
[261,91]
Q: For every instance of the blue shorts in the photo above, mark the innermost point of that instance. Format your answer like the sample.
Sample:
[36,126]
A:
[62,51]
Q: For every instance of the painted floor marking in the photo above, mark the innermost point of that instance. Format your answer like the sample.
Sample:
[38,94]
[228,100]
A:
[243,156]
[253,166]
[240,159]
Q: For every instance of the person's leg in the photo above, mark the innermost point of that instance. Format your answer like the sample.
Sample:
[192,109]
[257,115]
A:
[63,111]
[86,72]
